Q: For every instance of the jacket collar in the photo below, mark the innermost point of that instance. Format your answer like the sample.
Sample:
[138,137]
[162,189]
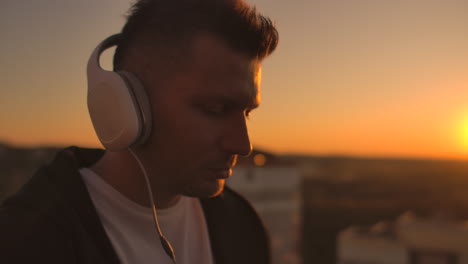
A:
[64,174]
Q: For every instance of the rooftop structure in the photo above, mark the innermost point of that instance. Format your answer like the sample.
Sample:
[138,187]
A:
[408,240]
[273,187]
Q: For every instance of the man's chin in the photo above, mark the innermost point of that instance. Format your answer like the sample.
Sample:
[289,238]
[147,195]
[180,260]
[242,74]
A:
[208,189]
[218,192]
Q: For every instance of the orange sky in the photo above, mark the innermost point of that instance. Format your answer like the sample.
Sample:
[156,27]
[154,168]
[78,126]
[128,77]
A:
[355,77]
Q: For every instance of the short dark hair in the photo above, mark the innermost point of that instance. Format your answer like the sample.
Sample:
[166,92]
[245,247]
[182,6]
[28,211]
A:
[169,24]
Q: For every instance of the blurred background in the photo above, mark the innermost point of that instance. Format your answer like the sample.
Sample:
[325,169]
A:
[361,139]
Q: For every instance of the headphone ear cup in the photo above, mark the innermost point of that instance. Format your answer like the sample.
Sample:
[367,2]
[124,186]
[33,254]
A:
[113,110]
[117,103]
[142,101]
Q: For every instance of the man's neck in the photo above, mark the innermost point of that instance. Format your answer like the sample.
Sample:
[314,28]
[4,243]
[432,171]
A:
[121,171]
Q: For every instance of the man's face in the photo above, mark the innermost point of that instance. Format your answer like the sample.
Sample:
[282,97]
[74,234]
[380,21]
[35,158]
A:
[200,119]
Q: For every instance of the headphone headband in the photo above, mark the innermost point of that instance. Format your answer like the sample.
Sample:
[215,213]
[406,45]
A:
[94,65]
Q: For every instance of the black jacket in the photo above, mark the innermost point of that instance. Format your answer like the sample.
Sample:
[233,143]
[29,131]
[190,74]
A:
[53,220]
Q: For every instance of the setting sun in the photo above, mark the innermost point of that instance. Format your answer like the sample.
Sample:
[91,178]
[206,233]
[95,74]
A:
[464,133]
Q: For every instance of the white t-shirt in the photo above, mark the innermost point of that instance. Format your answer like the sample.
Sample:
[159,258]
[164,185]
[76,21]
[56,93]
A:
[131,228]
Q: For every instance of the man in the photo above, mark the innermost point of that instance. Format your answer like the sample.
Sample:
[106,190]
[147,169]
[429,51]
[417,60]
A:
[199,62]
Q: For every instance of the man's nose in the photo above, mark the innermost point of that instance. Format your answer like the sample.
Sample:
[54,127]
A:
[236,139]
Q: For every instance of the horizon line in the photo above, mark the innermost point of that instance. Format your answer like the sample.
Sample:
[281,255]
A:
[263,149]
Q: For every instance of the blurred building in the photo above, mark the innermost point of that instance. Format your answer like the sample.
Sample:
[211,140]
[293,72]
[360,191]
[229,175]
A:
[408,240]
[273,187]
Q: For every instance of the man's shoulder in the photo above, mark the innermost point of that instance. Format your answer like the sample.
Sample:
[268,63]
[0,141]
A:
[28,219]
[54,192]
[45,219]
[27,236]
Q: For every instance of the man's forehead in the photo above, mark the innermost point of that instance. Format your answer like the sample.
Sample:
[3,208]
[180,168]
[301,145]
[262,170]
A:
[242,90]
[215,71]
[215,60]
[245,90]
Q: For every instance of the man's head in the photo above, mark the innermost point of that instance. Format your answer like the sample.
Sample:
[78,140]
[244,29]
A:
[167,29]
[200,63]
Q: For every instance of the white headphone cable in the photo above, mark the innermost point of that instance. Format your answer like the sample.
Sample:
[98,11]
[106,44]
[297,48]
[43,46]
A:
[164,241]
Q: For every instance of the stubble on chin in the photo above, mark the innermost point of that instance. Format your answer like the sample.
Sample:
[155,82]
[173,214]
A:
[220,190]
[205,192]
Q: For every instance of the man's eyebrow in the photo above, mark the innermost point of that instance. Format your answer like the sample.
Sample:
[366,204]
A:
[242,103]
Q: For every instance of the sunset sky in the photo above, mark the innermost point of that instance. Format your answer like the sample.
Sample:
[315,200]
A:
[350,77]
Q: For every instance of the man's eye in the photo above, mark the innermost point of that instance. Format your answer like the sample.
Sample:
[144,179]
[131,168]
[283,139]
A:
[215,109]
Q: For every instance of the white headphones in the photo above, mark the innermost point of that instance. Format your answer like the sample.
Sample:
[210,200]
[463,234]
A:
[117,103]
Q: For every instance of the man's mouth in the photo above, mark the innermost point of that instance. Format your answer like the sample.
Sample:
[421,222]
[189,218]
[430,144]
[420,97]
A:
[223,169]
